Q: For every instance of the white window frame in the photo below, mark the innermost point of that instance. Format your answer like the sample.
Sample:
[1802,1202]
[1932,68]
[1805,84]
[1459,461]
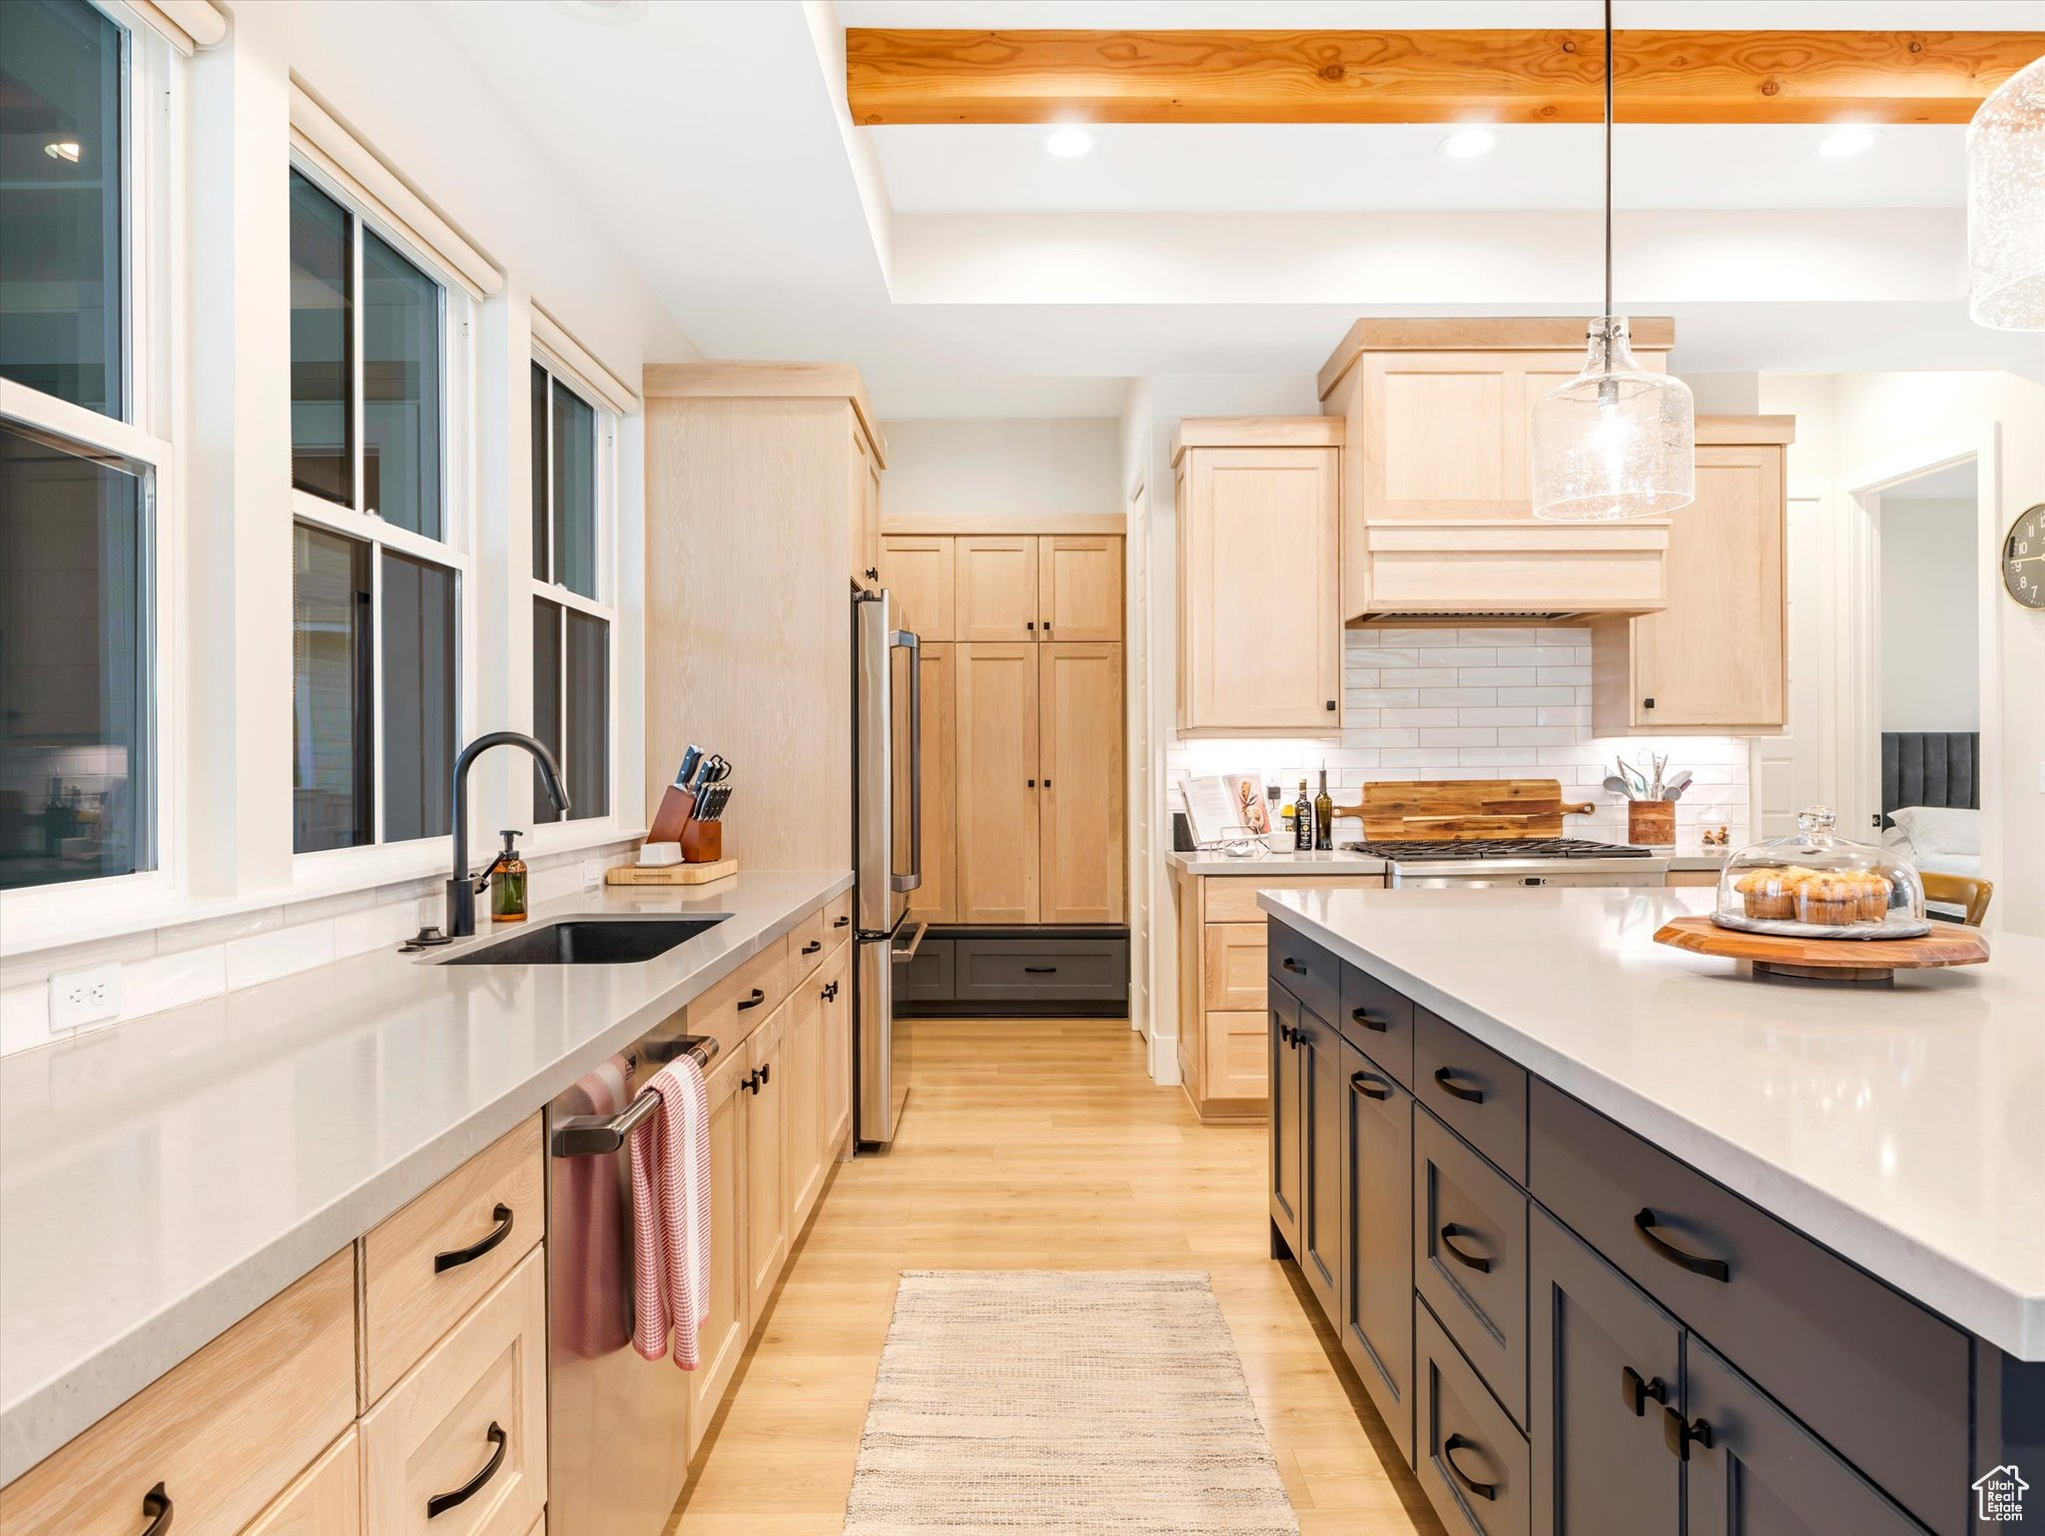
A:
[553,836]
[152,121]
[454,551]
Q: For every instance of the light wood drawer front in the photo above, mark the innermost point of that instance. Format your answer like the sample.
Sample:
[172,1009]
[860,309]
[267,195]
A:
[325,1501]
[732,1008]
[1235,966]
[421,1269]
[807,941]
[476,1404]
[1238,1056]
[838,917]
[1233,898]
[224,1433]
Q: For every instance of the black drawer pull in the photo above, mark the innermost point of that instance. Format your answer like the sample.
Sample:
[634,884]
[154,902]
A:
[841,922]
[1040,970]
[1449,1234]
[1712,1269]
[1449,1447]
[1680,1435]
[1446,1078]
[766,1072]
[754,1001]
[812,946]
[1362,1081]
[1293,966]
[441,1503]
[1634,1392]
[1362,1016]
[830,992]
[454,1258]
[157,1506]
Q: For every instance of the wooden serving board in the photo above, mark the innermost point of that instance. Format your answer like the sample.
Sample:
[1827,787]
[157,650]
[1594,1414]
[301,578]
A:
[670,874]
[1827,959]
[1458,810]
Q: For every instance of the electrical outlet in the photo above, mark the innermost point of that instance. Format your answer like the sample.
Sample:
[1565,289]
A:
[85,997]
[592,874]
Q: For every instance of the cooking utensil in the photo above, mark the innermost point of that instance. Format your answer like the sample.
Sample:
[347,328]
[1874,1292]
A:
[1655,789]
[1678,782]
[1618,786]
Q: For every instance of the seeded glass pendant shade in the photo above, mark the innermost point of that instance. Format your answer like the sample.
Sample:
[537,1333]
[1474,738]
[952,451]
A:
[2006,205]
[1617,440]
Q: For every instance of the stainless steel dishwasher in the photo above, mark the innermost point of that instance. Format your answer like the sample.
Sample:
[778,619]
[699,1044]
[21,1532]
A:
[617,1424]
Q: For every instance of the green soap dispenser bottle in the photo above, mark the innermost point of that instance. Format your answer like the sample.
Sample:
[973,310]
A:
[507,883]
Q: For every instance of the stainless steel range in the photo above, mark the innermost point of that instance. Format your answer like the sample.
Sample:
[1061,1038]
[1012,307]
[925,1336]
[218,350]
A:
[1532,861]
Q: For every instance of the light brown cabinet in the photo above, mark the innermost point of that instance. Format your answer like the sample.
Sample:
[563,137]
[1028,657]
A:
[1000,586]
[1260,638]
[1715,659]
[325,1501]
[998,800]
[835,988]
[767,1201]
[917,569]
[865,500]
[1079,586]
[727,1322]
[996,585]
[937,899]
[1080,709]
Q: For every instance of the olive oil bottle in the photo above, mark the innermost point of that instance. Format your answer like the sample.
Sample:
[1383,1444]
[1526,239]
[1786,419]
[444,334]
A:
[1324,815]
[1303,821]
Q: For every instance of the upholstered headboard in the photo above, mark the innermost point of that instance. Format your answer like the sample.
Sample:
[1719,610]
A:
[1930,768]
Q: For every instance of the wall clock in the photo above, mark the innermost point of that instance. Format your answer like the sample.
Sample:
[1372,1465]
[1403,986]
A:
[2023,558]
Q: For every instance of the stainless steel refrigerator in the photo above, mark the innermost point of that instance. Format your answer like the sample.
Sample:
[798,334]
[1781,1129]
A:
[887,854]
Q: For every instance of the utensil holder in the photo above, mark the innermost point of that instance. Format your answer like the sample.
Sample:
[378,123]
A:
[702,842]
[1651,823]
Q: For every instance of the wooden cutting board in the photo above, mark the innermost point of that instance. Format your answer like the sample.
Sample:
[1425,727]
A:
[1458,810]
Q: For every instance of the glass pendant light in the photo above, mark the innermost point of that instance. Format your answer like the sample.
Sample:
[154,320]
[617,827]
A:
[2006,205]
[1616,441]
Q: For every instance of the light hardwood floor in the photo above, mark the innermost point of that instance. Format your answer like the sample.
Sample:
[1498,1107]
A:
[1036,1144]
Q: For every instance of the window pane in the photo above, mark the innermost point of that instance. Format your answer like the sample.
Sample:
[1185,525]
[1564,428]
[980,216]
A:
[574,493]
[61,292]
[588,696]
[332,776]
[418,698]
[547,703]
[542,570]
[322,345]
[76,781]
[400,390]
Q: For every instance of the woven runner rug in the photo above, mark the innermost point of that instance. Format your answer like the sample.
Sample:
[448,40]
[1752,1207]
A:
[1063,1403]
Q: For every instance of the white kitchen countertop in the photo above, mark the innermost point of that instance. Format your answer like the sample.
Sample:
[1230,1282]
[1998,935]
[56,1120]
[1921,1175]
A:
[1898,1125]
[1276,865]
[160,1180]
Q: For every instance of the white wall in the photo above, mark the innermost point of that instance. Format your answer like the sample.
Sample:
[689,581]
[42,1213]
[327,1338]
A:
[1018,467]
[1931,656]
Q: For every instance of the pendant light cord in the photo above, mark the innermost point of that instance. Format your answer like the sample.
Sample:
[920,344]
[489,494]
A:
[1608,171]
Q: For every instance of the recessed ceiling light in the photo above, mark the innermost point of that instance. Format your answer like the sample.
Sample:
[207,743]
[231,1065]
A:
[63,149]
[1468,143]
[1068,143]
[1852,139]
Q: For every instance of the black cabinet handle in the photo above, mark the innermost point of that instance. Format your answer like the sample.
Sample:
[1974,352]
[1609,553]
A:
[1031,626]
[1712,1269]
[754,1001]
[157,1506]
[1287,1033]
[441,1503]
[812,946]
[1040,970]
[752,1083]
[1293,966]
[1679,1435]
[1449,1447]
[1362,1081]
[454,1258]
[1033,783]
[1362,1016]
[1446,1078]
[830,993]
[1449,1234]
[766,1073]
[841,922]
[1634,1392]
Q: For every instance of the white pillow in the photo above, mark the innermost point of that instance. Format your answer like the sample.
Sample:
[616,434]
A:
[1899,840]
[1936,829]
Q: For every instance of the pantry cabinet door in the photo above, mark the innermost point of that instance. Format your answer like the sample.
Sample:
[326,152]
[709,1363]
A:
[1079,586]
[917,569]
[998,798]
[936,900]
[767,1170]
[995,581]
[1083,877]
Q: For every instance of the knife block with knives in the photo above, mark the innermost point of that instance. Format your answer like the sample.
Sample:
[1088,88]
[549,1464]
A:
[691,810]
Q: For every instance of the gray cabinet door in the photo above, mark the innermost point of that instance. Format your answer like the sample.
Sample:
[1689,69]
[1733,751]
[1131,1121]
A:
[1604,1359]
[1764,1474]
[1470,1256]
[1322,1088]
[1377,1239]
[1286,1181]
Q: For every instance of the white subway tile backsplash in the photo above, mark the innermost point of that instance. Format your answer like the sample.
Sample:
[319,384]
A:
[1501,715]
[1421,757]
[1536,736]
[265,956]
[1488,676]
[1380,698]
[1418,677]
[1459,698]
[1559,676]
[1537,695]
[24,1015]
[1460,736]
[1457,656]
[1419,717]
[1385,736]
[171,981]
[1496,757]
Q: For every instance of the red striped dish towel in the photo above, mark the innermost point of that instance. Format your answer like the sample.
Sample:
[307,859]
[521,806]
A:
[670,1155]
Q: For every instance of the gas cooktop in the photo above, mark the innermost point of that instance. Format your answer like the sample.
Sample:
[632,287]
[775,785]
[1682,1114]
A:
[1499,848]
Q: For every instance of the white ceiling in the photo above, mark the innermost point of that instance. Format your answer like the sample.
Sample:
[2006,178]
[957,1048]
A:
[969,274]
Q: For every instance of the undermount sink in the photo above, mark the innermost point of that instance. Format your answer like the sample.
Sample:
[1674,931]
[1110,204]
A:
[589,941]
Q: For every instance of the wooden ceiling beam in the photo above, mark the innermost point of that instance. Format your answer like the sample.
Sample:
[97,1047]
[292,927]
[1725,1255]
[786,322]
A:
[956,76]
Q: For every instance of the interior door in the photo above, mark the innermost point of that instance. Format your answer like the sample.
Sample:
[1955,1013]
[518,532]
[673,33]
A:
[994,579]
[936,900]
[1082,806]
[998,798]
[1079,586]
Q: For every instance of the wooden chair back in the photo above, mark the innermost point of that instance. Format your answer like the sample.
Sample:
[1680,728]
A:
[1967,891]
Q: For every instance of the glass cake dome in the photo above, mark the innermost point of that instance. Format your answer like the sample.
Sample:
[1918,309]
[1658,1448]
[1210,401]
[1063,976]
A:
[1818,886]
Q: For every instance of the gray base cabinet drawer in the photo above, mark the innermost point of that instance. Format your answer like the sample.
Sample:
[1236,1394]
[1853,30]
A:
[1476,1092]
[927,976]
[1473,1461]
[1882,1380]
[1376,1322]
[1040,970]
[1378,1021]
[1470,1257]
[1304,969]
